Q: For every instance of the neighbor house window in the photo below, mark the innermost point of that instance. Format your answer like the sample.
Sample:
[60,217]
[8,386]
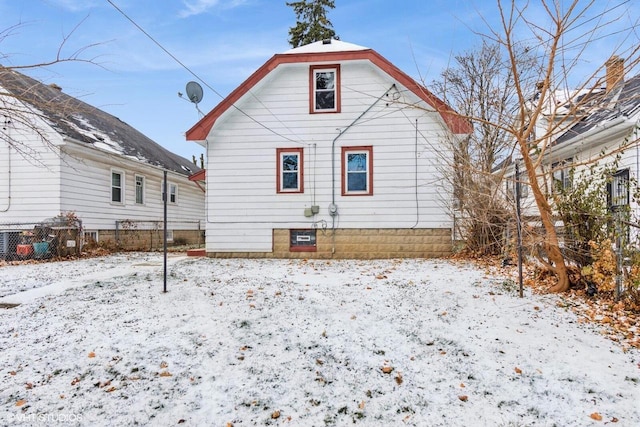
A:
[324,89]
[511,187]
[172,194]
[618,190]
[357,171]
[289,170]
[90,237]
[562,174]
[117,187]
[302,240]
[139,190]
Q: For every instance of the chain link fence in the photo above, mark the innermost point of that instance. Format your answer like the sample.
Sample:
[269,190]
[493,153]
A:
[149,234]
[53,238]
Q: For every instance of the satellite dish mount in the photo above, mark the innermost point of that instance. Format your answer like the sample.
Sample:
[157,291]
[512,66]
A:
[194,93]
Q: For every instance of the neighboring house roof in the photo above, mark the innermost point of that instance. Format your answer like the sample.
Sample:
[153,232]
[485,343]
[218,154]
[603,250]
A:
[84,123]
[334,51]
[623,101]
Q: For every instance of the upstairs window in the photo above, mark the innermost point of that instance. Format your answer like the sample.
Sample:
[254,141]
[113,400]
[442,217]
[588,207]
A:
[325,89]
[117,187]
[289,170]
[357,171]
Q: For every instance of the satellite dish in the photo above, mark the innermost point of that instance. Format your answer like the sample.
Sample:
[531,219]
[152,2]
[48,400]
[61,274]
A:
[194,92]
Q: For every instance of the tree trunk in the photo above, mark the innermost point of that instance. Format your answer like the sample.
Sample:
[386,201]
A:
[551,245]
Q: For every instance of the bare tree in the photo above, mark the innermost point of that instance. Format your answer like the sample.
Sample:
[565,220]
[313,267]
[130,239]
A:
[22,108]
[479,85]
[560,38]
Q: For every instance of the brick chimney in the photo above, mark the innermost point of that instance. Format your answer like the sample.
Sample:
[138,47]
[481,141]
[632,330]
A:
[615,71]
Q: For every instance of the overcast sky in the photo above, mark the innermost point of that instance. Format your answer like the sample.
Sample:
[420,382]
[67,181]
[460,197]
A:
[223,42]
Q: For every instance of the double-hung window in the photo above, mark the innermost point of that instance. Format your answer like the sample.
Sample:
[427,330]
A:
[618,190]
[357,171]
[290,178]
[324,89]
[562,172]
[172,194]
[139,190]
[117,187]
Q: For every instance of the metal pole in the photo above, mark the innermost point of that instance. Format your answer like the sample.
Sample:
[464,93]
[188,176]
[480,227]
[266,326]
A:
[164,200]
[618,290]
[519,229]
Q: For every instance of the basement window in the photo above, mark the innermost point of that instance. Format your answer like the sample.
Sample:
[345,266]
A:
[302,241]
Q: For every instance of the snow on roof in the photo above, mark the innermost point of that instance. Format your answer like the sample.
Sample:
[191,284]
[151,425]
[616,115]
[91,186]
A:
[330,45]
[622,101]
[84,123]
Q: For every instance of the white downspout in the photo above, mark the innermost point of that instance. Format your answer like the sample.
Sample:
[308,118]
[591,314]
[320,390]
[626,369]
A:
[7,129]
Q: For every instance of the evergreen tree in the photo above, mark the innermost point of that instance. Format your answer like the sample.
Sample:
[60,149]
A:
[312,24]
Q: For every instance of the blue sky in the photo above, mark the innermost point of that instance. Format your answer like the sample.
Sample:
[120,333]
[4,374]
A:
[223,42]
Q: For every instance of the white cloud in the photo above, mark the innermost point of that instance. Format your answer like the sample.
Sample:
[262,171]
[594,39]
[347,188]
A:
[75,5]
[196,7]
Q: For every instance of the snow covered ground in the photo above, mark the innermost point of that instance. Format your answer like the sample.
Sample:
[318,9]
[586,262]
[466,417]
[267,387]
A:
[302,343]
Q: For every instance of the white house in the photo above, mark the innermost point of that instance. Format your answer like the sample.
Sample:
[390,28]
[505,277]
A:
[59,155]
[328,150]
[604,129]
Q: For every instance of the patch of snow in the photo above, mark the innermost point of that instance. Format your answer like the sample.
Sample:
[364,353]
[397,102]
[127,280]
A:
[101,139]
[320,46]
[295,342]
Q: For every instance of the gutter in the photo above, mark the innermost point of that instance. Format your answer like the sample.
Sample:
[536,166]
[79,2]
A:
[615,128]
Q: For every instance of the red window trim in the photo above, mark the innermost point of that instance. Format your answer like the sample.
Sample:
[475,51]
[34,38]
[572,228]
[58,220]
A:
[301,248]
[300,153]
[312,85]
[369,150]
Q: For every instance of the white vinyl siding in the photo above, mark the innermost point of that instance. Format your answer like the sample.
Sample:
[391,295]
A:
[243,208]
[86,194]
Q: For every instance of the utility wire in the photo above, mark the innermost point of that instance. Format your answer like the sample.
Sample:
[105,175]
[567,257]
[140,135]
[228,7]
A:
[150,37]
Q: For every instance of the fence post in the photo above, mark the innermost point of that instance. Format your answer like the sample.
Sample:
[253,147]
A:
[619,266]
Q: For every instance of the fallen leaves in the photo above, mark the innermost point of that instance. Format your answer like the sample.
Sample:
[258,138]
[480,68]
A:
[596,416]
[21,402]
[399,379]
[463,397]
[91,355]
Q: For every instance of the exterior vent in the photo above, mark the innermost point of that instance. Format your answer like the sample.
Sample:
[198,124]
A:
[326,41]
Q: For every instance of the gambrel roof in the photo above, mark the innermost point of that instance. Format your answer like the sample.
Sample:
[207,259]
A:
[330,51]
[81,122]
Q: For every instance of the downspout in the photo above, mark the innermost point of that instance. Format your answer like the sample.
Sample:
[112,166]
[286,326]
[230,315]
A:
[415,158]
[7,128]
[333,208]
[9,180]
